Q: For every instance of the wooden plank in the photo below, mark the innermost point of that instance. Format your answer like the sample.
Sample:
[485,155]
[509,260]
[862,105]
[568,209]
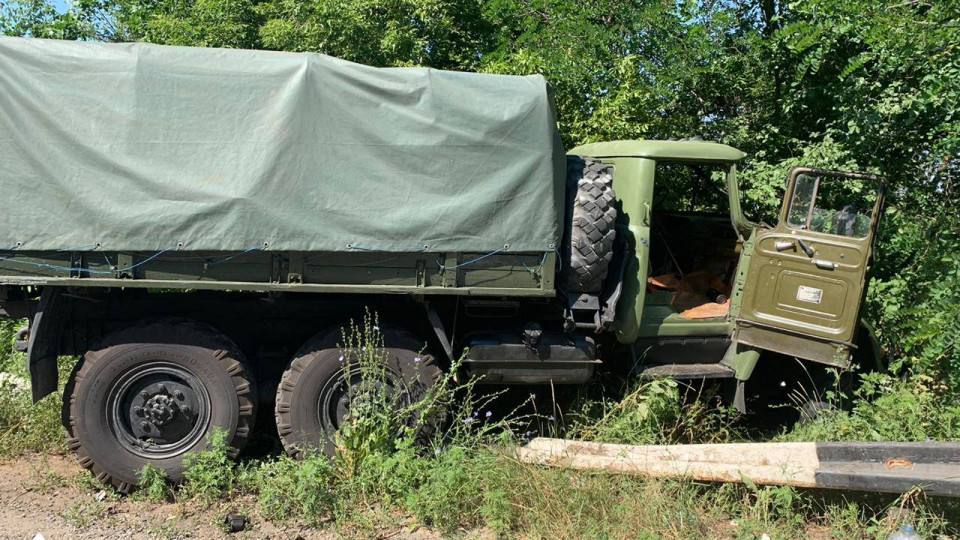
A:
[763,463]
[884,467]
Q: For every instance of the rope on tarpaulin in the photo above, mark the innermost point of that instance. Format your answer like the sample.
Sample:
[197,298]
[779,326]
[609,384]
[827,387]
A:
[535,270]
[425,247]
[119,270]
[97,246]
[444,268]
[232,257]
[471,261]
[88,270]
[87,247]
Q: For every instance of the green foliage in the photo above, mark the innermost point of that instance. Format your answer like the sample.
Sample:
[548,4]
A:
[643,416]
[25,427]
[288,488]
[209,473]
[378,461]
[37,18]
[651,412]
[452,492]
[153,484]
[28,427]
[10,360]
[887,410]
[375,425]
[443,34]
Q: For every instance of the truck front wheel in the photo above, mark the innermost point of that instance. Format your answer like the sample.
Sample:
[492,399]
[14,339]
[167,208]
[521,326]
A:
[152,393]
[324,386]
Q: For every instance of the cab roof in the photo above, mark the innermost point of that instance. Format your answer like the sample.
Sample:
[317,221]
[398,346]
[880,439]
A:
[665,150]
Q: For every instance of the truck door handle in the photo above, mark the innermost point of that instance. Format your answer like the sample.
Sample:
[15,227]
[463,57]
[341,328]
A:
[785,245]
[806,248]
[825,265]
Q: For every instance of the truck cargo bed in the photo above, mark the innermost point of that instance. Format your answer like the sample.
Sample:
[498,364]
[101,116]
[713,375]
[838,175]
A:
[501,274]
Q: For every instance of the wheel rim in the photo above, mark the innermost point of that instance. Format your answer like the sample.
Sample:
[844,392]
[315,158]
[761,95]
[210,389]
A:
[158,410]
[347,392]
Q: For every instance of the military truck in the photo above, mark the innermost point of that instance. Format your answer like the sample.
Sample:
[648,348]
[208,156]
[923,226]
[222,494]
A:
[197,225]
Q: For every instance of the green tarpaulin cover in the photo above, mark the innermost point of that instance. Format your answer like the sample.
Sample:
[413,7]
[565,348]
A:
[144,147]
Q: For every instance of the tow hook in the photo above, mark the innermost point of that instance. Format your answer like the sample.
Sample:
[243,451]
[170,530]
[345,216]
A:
[22,340]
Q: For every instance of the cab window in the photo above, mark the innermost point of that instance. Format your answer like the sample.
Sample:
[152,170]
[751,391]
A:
[832,205]
[688,188]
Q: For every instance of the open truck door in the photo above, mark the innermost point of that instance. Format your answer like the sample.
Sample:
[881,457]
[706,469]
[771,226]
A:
[807,276]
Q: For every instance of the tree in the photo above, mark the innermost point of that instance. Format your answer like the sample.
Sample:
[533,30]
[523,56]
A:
[850,84]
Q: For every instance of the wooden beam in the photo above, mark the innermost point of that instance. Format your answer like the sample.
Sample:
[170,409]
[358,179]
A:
[890,467]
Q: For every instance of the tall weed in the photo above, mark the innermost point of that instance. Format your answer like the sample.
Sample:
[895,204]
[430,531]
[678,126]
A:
[209,474]
[288,488]
[886,409]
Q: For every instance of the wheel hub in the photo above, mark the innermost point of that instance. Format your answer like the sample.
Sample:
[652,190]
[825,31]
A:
[353,396]
[164,404]
[160,410]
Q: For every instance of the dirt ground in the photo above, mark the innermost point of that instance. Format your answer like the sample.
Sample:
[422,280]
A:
[53,497]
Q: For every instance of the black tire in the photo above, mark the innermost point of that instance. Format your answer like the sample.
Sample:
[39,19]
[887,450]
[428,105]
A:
[193,375]
[590,231]
[813,409]
[316,380]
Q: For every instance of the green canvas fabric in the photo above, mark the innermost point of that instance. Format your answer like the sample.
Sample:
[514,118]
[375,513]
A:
[146,147]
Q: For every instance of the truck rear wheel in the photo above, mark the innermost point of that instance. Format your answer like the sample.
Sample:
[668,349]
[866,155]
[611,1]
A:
[322,386]
[590,232]
[152,393]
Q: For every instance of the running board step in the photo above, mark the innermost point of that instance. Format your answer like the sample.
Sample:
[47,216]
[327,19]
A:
[687,371]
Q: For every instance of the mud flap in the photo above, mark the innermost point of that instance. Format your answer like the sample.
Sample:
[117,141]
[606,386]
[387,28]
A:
[43,346]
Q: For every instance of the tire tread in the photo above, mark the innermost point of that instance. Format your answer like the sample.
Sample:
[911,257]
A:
[590,232]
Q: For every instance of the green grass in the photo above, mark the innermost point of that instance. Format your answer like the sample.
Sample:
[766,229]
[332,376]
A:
[153,485]
[83,514]
[468,487]
[468,479]
[25,427]
[887,409]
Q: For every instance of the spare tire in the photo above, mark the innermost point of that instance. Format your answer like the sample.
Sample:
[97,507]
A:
[590,231]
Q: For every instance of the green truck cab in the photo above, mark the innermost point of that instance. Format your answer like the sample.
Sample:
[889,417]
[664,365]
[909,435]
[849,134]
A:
[796,288]
[488,248]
